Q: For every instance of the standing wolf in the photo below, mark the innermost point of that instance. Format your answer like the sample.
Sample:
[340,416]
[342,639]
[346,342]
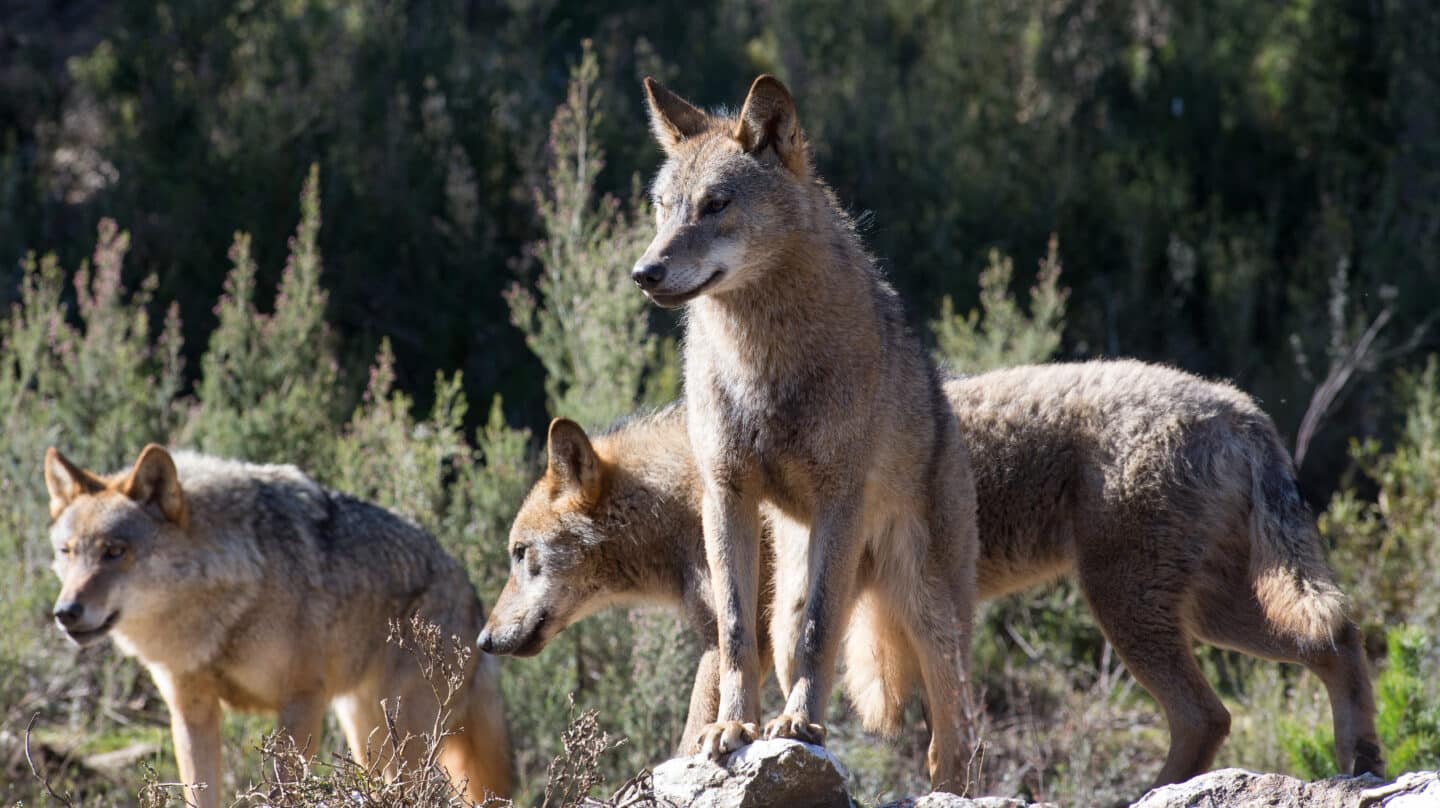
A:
[1168,498]
[255,587]
[806,394]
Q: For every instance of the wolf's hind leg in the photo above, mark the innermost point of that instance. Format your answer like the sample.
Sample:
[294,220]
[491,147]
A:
[1227,616]
[937,632]
[363,721]
[386,718]
[301,720]
[1138,607]
[790,588]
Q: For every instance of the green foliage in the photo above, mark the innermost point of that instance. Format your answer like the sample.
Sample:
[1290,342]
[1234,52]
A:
[1388,547]
[1408,702]
[268,388]
[1407,713]
[1004,335]
[1210,169]
[118,388]
[588,324]
[386,456]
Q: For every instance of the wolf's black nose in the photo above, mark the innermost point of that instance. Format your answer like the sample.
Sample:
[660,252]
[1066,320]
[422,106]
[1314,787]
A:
[649,276]
[484,641]
[69,613]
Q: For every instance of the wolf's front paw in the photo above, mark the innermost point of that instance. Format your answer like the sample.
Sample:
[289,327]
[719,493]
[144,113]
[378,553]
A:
[724,737]
[795,728]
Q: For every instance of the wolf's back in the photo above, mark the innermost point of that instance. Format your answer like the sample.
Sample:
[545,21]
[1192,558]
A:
[1191,452]
[324,539]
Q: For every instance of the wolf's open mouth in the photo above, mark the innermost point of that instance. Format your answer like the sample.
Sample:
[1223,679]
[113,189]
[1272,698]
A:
[87,636]
[672,301]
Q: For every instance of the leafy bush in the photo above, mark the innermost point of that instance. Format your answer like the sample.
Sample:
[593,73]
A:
[1407,713]
[588,324]
[269,383]
[1408,702]
[1000,333]
[1386,548]
[85,372]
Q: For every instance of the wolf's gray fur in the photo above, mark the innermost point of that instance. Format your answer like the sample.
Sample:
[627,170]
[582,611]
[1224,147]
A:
[1138,480]
[807,395]
[255,586]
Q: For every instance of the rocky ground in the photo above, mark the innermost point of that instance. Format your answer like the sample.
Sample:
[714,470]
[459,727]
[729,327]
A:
[788,774]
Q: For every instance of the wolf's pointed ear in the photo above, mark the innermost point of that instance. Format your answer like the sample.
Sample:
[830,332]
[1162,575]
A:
[768,121]
[574,466]
[672,118]
[154,479]
[66,481]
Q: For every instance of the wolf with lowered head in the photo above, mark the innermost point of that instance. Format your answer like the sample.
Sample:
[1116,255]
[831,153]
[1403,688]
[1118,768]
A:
[806,395]
[1169,500]
[254,587]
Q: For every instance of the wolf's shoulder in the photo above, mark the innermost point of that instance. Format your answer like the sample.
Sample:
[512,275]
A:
[221,484]
[203,473]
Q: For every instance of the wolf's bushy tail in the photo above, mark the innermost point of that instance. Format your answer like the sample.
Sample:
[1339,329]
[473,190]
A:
[1294,585]
[880,667]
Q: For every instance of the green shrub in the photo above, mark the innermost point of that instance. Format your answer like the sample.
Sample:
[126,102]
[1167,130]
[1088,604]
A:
[1408,703]
[1387,548]
[1000,333]
[1407,713]
[269,387]
[587,324]
[86,372]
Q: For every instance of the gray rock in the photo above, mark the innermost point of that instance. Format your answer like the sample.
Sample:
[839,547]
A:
[789,774]
[940,799]
[1238,788]
[765,773]
[1410,790]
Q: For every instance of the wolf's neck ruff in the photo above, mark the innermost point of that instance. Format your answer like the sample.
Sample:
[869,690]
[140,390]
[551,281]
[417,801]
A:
[767,329]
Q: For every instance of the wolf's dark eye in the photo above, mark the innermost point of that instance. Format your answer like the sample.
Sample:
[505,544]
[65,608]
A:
[714,205]
[519,553]
[114,552]
[65,551]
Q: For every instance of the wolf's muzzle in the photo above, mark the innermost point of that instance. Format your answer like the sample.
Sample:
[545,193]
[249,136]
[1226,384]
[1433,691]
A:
[68,614]
[515,640]
[69,617]
[648,276]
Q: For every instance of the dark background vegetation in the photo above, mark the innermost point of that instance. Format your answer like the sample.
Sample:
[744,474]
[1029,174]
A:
[1245,190]
[1210,168]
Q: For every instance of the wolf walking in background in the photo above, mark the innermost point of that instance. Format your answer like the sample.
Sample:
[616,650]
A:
[1174,503]
[253,586]
[1170,500]
[806,394]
